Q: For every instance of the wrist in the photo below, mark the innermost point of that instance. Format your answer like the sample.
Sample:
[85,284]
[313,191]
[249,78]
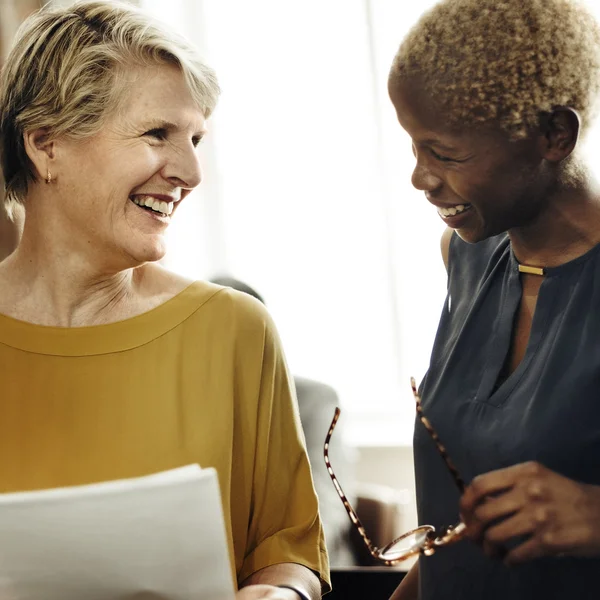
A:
[300,592]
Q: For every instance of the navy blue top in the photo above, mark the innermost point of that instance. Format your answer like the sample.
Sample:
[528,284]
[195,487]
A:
[547,410]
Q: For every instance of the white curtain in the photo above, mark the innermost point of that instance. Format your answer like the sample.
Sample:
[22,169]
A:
[307,195]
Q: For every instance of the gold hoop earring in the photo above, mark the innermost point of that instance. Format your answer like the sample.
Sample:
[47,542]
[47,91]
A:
[49,177]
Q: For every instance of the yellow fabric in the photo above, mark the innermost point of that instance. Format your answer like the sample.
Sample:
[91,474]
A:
[199,379]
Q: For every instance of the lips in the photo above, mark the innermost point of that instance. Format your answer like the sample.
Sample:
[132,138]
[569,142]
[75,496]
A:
[451,211]
[460,218]
[152,203]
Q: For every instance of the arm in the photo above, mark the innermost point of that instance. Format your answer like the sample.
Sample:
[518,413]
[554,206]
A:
[409,588]
[283,524]
[263,583]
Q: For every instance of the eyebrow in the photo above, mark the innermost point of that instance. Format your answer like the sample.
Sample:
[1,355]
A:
[440,145]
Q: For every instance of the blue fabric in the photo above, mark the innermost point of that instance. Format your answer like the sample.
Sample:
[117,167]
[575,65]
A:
[547,410]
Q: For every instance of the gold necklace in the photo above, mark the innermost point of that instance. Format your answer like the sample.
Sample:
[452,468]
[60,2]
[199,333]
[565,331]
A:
[541,271]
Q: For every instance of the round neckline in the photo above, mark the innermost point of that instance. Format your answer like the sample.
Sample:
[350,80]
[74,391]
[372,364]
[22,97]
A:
[558,269]
[110,337]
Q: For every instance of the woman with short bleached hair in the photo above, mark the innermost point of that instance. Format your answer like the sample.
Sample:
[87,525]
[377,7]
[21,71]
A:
[111,366]
[496,96]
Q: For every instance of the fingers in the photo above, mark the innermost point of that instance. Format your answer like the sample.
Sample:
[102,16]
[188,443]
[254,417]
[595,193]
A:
[497,482]
[527,511]
[528,550]
[491,511]
[530,533]
[497,509]
[544,543]
[508,505]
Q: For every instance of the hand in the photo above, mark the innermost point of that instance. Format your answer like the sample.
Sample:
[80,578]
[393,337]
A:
[265,592]
[552,514]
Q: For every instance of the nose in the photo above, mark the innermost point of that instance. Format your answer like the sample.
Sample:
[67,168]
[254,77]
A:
[424,179]
[183,167]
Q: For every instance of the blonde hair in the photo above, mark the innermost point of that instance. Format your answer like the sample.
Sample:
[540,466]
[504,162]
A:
[65,73]
[505,61]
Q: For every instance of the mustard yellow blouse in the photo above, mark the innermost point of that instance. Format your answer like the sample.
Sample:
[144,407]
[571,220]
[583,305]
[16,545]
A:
[199,379]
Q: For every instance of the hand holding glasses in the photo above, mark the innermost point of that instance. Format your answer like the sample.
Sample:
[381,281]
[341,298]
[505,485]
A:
[425,539]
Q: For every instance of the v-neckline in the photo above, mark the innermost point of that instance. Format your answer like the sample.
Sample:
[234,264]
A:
[521,325]
[500,342]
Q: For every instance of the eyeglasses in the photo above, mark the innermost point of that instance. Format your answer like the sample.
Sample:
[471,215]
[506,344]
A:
[425,539]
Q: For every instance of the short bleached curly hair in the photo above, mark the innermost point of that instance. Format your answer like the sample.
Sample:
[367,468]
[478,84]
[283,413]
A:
[67,72]
[505,62]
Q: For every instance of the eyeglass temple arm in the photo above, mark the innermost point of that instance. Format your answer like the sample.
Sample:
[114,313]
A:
[441,448]
[351,512]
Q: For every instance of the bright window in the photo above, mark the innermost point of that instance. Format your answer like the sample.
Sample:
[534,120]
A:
[307,195]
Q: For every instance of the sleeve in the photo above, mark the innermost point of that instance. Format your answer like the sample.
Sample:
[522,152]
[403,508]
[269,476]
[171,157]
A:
[284,521]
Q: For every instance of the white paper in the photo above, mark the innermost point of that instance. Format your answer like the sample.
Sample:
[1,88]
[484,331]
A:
[150,538]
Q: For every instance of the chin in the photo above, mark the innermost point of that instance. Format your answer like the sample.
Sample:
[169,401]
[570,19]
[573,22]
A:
[479,233]
[148,253]
[470,236]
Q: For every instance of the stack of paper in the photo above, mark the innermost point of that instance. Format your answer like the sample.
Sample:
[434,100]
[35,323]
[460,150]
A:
[150,538]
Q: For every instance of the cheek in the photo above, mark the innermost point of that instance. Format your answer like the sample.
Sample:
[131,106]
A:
[516,183]
[496,184]
[472,187]
[505,198]
[131,170]
[140,164]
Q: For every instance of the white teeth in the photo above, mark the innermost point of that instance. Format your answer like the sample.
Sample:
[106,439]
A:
[166,208]
[453,210]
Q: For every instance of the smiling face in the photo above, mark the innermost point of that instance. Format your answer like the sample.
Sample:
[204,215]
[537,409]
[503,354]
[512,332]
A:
[119,189]
[481,182]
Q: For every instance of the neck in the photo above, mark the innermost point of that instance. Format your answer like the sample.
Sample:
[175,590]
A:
[567,227]
[48,282]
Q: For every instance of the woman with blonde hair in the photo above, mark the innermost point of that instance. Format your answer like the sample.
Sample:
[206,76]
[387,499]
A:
[111,366]
[496,96]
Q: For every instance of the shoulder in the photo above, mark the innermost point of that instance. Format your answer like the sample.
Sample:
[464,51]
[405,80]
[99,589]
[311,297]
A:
[240,306]
[459,255]
[222,302]
[204,313]
[445,245]
[239,321]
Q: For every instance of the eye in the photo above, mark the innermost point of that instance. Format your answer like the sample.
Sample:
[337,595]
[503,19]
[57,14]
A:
[159,134]
[440,157]
[197,140]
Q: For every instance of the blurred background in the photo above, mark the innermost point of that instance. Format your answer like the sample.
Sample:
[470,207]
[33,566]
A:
[307,197]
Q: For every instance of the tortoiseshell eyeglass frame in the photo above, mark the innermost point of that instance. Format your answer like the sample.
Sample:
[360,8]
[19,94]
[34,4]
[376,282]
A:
[430,538]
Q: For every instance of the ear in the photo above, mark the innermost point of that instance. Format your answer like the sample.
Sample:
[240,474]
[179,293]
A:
[40,151]
[559,133]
